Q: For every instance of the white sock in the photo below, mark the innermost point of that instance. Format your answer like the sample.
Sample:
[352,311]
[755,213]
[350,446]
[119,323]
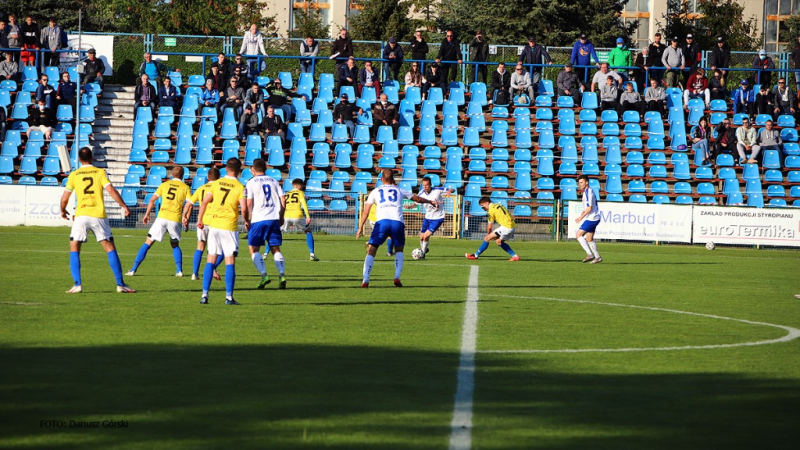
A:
[258,261]
[279,263]
[423,245]
[585,245]
[593,246]
[368,262]
[398,264]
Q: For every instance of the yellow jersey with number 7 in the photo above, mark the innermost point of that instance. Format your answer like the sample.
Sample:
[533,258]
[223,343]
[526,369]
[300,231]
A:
[88,184]
[227,192]
[498,213]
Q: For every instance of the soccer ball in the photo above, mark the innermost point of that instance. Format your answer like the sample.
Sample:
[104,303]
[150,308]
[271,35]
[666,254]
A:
[417,253]
[710,246]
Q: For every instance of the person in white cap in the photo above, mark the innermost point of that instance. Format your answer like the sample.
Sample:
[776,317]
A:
[764,63]
[692,55]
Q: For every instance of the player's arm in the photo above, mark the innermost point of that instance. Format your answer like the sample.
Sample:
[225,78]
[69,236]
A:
[584,214]
[282,212]
[244,204]
[304,206]
[419,199]
[187,212]
[249,210]
[117,198]
[150,205]
[364,216]
[206,200]
[64,201]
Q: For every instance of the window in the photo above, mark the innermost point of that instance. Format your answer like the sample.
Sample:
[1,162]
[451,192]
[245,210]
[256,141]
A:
[638,10]
[323,6]
[776,31]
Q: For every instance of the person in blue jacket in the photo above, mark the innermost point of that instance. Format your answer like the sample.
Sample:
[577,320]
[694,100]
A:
[582,54]
[744,99]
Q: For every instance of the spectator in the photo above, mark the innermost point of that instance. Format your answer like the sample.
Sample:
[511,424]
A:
[672,59]
[93,69]
[692,54]
[168,94]
[620,56]
[310,48]
[643,62]
[701,134]
[744,99]
[764,64]
[384,113]
[630,100]
[582,54]
[8,68]
[369,77]
[795,57]
[216,77]
[342,49]
[345,113]
[521,82]
[746,141]
[46,92]
[348,74]
[765,103]
[254,98]
[501,81]
[655,97]
[155,70]
[252,43]
[209,96]
[3,119]
[13,35]
[279,97]
[609,95]
[479,52]
[726,139]
[534,53]
[224,68]
[768,139]
[67,91]
[241,79]
[656,50]
[450,50]
[3,37]
[394,54]
[414,77]
[697,87]
[433,78]
[419,49]
[273,125]
[52,39]
[248,124]
[568,83]
[240,63]
[29,37]
[599,78]
[720,56]
[41,118]
[784,99]
[234,99]
[716,85]
[144,94]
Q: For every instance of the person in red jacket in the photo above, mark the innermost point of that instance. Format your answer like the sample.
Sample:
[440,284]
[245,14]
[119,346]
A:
[697,87]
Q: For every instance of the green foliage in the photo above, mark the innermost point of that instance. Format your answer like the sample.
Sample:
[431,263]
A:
[382,19]
[715,20]
[308,22]
[793,24]
[427,10]
[95,14]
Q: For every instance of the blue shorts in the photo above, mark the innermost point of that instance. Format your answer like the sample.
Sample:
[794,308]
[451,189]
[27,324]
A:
[431,225]
[384,229]
[589,225]
[268,231]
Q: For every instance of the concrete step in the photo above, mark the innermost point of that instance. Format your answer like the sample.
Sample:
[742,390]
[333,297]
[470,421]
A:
[115,115]
[115,108]
[118,88]
[117,95]
[113,122]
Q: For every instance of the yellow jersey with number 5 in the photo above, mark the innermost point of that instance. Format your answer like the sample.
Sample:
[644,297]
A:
[227,192]
[498,213]
[88,184]
[296,206]
[173,195]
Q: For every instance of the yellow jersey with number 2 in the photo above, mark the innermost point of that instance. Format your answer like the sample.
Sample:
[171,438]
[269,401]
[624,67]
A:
[88,184]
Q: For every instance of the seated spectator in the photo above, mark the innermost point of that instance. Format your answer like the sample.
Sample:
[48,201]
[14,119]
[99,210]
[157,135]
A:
[93,69]
[209,96]
[655,97]
[369,77]
[248,124]
[3,118]
[216,77]
[41,118]
[501,81]
[608,95]
[726,139]
[144,95]
[764,101]
[254,98]
[716,85]
[784,99]
[521,83]
[697,87]
[433,78]
[414,77]
[769,139]
[744,99]
[599,78]
[385,113]
[568,83]
[241,63]
[701,135]
[309,47]
[168,94]
[234,99]
[746,142]
[348,74]
[345,112]
[278,96]
[631,100]
[46,92]
[273,125]
[67,91]
[9,69]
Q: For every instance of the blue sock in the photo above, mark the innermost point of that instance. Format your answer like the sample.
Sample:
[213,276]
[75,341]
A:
[310,242]
[198,258]
[220,259]
[178,256]
[506,247]
[208,275]
[116,266]
[75,266]
[483,247]
[140,256]
[390,245]
[230,279]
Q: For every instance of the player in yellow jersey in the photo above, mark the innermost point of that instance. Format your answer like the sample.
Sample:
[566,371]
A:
[227,199]
[173,195]
[297,216]
[202,234]
[497,213]
[88,183]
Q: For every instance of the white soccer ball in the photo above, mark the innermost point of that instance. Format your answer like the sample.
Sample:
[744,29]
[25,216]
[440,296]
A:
[710,246]
[417,253]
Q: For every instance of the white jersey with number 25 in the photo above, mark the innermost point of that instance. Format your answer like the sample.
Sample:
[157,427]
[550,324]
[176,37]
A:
[266,194]
[388,198]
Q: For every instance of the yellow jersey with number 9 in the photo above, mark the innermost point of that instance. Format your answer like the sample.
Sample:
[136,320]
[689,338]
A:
[173,195]
[498,213]
[227,192]
[296,206]
[88,184]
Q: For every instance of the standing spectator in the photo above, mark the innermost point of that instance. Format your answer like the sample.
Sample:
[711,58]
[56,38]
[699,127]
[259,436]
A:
[521,82]
[384,113]
[168,94]
[3,37]
[155,70]
[345,113]
[697,87]
[655,97]
[273,125]
[240,63]
[764,101]
[716,85]
[414,77]
[348,74]
[252,43]
[67,91]
[13,35]
[720,56]
[144,94]
[419,49]
[764,64]
[479,52]
[534,53]
[216,78]
[29,38]
[726,139]
[248,124]
[310,48]
[746,142]
[672,59]
[3,118]
[41,118]
[620,56]
[609,95]
[656,50]
[450,50]
[9,68]
[582,54]
[368,77]
[630,100]
[433,78]
[744,99]
[254,98]
[209,96]
[52,39]
[643,61]
[701,135]
[795,57]
[93,69]
[784,99]
[234,99]
[279,97]
[393,53]
[569,84]
[693,55]
[599,78]
[46,92]
[224,65]
[769,139]
[342,49]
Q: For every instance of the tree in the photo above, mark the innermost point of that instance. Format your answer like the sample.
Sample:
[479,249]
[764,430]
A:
[382,19]
[308,22]
[717,18]
[793,24]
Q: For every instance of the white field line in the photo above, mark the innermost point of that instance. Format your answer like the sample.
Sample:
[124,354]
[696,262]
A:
[791,333]
[461,426]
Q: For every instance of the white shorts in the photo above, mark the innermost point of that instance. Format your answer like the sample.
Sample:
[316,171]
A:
[296,225]
[223,242]
[202,234]
[174,229]
[504,233]
[82,224]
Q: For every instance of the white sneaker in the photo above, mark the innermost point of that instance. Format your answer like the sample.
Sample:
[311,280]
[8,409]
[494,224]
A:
[195,277]
[77,289]
[265,255]
[130,273]
[179,274]
[596,260]
[125,289]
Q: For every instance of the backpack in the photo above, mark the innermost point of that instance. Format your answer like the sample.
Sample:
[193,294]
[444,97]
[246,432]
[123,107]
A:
[502,97]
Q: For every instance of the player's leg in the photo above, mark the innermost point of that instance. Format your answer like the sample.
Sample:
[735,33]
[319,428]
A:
[593,248]
[214,250]
[275,240]
[484,245]
[310,244]
[399,238]
[376,239]
[581,237]
[255,239]
[198,253]
[140,256]
[102,231]
[230,277]
[389,247]
[424,234]
[177,255]
[75,266]
[502,235]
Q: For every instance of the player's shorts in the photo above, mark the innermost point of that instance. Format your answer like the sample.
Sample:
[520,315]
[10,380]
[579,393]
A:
[589,225]
[202,234]
[160,226]
[83,224]
[223,242]
[268,231]
[504,233]
[431,225]
[384,229]
[295,225]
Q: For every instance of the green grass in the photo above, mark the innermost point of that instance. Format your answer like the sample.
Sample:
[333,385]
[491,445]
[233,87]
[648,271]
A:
[326,364]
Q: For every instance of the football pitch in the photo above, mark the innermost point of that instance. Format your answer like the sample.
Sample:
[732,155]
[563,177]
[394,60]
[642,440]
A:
[656,347]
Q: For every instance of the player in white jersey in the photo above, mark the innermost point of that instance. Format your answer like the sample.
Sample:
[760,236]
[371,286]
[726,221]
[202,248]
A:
[434,215]
[591,213]
[267,206]
[388,198]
